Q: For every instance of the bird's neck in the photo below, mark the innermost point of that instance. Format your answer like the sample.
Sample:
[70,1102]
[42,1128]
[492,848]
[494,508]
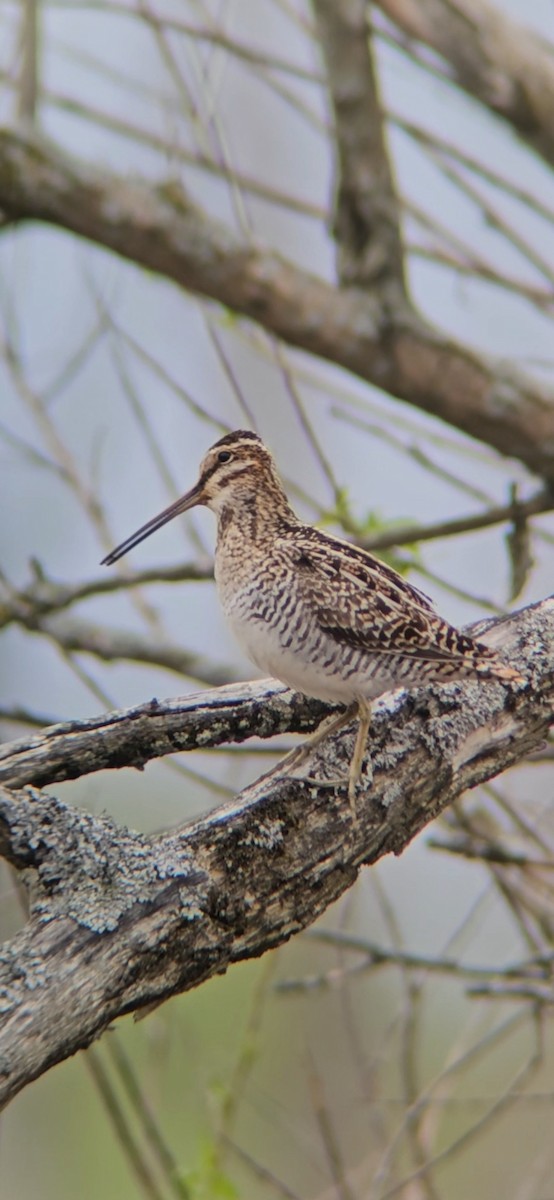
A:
[252,518]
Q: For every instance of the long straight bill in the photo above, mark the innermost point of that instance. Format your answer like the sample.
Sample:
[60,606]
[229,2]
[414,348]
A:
[179,506]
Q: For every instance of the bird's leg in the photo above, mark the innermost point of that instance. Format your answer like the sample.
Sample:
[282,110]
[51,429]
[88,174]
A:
[362,709]
[328,725]
[364,714]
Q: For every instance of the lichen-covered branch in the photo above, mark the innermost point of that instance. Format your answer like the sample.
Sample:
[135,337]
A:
[161,229]
[120,921]
[130,737]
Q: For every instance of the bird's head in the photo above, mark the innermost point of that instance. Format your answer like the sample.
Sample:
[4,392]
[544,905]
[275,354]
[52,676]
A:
[237,470]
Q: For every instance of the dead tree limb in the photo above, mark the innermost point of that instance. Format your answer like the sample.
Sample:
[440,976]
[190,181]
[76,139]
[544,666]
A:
[120,921]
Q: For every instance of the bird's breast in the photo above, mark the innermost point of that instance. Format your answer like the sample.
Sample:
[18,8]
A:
[259,609]
[281,635]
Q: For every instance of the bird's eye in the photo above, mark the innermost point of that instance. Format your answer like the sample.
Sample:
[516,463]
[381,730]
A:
[224,456]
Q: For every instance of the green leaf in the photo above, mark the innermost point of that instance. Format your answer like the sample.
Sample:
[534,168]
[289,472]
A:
[208,1181]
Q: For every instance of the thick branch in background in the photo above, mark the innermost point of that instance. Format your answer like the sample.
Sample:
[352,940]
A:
[160,228]
[493,58]
[367,213]
[120,921]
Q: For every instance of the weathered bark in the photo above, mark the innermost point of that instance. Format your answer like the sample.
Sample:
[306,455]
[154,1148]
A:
[120,921]
[131,737]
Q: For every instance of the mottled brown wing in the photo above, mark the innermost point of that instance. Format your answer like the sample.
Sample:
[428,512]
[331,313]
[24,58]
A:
[366,604]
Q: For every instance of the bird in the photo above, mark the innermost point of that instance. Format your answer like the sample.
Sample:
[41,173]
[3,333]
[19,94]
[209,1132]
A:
[316,612]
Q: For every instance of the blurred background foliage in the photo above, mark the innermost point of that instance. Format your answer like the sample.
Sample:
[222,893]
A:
[323,1069]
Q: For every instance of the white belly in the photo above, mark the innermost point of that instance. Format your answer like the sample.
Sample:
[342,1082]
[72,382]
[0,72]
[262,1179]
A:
[263,647]
[304,668]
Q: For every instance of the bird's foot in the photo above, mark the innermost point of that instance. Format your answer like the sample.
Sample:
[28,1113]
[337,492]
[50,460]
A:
[333,784]
[330,724]
[341,782]
[354,779]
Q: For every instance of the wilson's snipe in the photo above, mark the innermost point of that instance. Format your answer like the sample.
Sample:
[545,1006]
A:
[318,613]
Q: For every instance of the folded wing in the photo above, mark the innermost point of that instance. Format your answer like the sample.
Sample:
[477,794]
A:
[366,604]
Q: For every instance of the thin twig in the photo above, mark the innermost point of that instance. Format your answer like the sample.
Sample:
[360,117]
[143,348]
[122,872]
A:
[131,1146]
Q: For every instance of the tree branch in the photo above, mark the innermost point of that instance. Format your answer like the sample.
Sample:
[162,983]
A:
[124,645]
[516,511]
[120,921]
[161,229]
[43,596]
[367,213]
[494,59]
[40,609]
[28,82]
[130,737]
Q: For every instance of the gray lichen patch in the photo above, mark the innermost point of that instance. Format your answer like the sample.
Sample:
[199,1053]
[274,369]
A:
[30,972]
[444,731]
[87,867]
[267,835]
[392,794]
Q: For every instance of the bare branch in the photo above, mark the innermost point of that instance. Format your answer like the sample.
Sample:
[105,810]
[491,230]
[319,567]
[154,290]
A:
[16,714]
[163,230]
[76,635]
[113,645]
[374,956]
[28,82]
[44,596]
[131,1145]
[515,511]
[501,63]
[367,216]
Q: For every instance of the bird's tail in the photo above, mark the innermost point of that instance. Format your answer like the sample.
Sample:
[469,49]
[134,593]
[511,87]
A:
[487,664]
